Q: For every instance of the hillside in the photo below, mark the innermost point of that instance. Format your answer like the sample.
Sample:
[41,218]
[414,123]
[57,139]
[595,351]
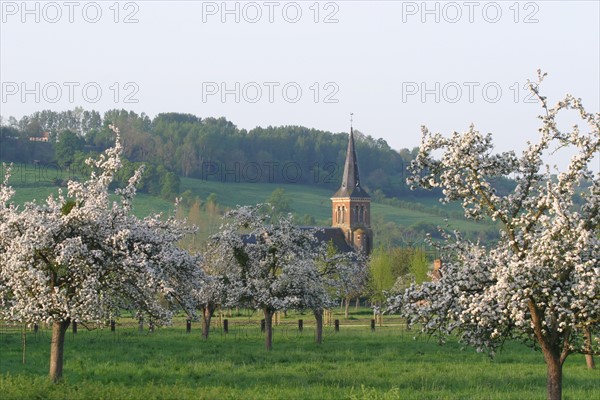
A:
[205,148]
[192,157]
[418,217]
[396,225]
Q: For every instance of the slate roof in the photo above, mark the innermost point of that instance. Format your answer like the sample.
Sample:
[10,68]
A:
[336,235]
[323,234]
[351,178]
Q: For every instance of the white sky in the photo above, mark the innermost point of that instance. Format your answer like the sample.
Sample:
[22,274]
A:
[377,58]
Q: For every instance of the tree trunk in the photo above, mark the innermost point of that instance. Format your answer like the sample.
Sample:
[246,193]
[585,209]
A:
[346,313]
[357,303]
[589,358]
[554,365]
[207,313]
[57,346]
[319,317]
[268,329]
[24,342]
[549,342]
[589,361]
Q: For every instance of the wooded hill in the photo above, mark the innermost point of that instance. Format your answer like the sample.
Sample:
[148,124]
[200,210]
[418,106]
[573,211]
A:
[213,152]
[212,148]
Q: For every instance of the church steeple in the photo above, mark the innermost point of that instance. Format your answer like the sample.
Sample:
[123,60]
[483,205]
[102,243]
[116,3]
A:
[351,177]
[351,204]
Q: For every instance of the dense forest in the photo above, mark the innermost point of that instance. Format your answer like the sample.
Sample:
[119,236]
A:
[207,148]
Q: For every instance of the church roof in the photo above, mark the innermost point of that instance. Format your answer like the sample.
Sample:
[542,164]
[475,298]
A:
[351,179]
[336,236]
[322,234]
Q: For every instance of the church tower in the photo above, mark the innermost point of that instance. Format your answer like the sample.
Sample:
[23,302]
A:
[351,205]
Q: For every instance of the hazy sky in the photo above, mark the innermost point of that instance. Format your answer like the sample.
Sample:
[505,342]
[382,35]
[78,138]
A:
[395,64]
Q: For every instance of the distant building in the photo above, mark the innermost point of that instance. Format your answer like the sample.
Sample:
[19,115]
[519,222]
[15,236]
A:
[44,138]
[351,206]
[350,229]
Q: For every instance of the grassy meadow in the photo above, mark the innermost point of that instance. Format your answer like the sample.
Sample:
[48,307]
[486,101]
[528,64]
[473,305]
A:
[355,363]
[316,201]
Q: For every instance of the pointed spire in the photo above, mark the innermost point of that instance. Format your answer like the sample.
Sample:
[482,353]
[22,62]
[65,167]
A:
[351,179]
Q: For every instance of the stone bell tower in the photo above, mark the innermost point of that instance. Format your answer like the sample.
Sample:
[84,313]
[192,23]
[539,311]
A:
[351,205]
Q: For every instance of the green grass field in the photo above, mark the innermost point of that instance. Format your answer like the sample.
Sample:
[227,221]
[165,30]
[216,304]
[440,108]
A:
[352,364]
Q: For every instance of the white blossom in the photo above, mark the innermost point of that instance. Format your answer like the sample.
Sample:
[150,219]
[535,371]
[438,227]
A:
[82,257]
[541,282]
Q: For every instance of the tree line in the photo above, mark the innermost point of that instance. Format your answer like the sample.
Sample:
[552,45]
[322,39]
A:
[210,148]
[174,145]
